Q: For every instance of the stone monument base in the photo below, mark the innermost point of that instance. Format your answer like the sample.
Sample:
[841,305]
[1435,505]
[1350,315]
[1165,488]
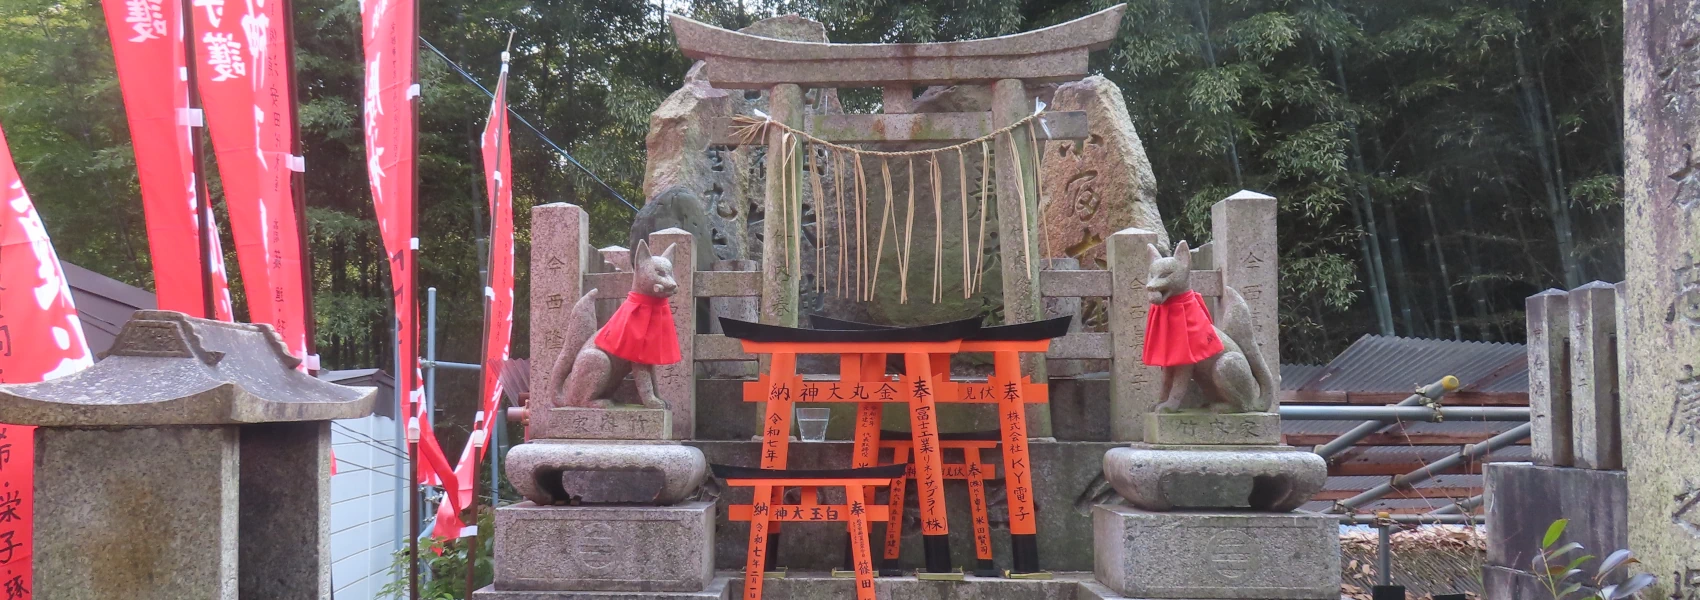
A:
[718,589]
[1261,478]
[1216,555]
[650,549]
[1524,499]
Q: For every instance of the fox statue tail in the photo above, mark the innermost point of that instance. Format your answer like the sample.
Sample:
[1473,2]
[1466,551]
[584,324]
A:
[1236,322]
[581,326]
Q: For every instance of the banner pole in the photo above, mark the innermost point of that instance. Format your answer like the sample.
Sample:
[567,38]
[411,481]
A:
[412,272]
[203,203]
[298,186]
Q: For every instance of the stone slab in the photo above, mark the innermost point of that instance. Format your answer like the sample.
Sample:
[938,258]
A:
[597,548]
[1523,499]
[719,589]
[560,257]
[1221,477]
[1134,385]
[106,500]
[573,423]
[1661,298]
[1596,427]
[1092,590]
[1548,318]
[285,511]
[1068,480]
[1262,428]
[1212,555]
[1243,234]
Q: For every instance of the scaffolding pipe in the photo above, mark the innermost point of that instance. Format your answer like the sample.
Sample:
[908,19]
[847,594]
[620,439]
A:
[1423,395]
[1460,507]
[1470,452]
[1406,413]
[443,364]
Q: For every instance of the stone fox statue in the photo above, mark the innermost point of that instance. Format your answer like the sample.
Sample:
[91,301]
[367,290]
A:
[1216,366]
[639,336]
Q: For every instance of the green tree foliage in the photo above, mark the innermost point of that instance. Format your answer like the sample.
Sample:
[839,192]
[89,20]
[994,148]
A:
[1436,160]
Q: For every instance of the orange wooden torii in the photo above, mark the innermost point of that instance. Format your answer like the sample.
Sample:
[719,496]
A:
[925,382]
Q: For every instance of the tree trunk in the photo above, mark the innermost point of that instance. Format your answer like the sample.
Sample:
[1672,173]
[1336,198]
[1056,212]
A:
[1370,247]
[1537,117]
[1445,278]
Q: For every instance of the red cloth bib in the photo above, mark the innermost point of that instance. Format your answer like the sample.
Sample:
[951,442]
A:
[1179,332]
[641,331]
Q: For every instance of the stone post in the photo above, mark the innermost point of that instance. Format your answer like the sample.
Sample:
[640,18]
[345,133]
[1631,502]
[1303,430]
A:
[193,462]
[1661,231]
[560,234]
[1242,227]
[743,308]
[1133,384]
[780,266]
[676,383]
[1595,430]
[1020,283]
[1063,306]
[1549,377]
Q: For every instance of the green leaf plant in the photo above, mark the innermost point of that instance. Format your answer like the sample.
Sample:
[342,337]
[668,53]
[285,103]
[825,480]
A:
[1559,567]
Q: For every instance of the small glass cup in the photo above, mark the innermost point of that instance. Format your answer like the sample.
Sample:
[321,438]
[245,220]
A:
[811,423]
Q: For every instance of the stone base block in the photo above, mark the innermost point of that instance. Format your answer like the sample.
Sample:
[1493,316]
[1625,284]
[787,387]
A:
[571,423]
[550,472]
[719,589]
[1260,478]
[1216,555]
[1194,428]
[1524,499]
[605,548]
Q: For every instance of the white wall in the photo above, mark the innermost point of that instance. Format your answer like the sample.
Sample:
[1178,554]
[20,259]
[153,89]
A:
[364,527]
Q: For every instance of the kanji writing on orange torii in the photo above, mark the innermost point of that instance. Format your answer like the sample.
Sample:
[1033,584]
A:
[924,382]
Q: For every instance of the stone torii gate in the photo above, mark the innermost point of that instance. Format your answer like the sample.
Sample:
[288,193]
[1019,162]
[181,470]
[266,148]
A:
[1008,64]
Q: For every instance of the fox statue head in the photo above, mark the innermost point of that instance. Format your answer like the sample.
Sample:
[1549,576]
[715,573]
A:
[1169,275]
[652,275]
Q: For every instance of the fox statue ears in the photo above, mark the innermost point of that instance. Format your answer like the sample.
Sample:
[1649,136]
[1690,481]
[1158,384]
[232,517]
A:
[641,254]
[1182,253]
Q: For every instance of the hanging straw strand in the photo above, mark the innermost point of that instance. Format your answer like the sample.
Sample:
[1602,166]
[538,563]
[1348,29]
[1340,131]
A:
[962,186]
[861,227]
[1021,195]
[1046,240]
[885,217]
[748,129]
[908,239]
[938,229]
[985,186]
[820,221]
[838,186]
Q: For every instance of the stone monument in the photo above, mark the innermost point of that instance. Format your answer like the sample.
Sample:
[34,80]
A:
[608,486]
[1660,339]
[1575,442]
[1212,489]
[193,462]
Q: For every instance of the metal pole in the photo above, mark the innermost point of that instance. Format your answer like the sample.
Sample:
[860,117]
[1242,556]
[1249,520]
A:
[431,352]
[1470,452]
[1384,553]
[203,199]
[1424,394]
[443,364]
[1422,519]
[1460,507]
[1406,413]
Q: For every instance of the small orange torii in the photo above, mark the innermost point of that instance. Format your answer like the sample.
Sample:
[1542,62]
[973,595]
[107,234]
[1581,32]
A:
[927,349]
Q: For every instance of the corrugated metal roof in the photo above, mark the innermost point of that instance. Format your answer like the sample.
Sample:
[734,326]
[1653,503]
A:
[1394,364]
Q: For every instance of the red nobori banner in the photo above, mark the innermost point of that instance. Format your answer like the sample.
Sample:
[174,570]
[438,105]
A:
[40,339]
[147,46]
[242,72]
[390,40]
[499,296]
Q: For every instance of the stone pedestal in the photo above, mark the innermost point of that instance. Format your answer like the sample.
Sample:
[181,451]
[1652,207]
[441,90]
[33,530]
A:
[551,472]
[1214,462]
[194,462]
[651,549]
[1524,499]
[1217,555]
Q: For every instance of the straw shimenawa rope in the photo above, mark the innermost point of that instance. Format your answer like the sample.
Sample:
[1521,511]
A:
[748,129]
